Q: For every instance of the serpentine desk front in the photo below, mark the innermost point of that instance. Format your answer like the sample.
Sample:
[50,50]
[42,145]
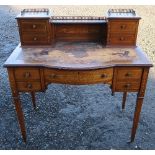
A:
[32,68]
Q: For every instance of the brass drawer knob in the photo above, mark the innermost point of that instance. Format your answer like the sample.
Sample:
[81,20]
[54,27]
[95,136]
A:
[27,75]
[121,38]
[29,86]
[127,86]
[128,74]
[104,76]
[53,76]
[123,26]
[35,38]
[34,26]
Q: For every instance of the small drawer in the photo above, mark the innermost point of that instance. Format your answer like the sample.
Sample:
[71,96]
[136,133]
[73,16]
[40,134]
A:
[129,74]
[127,86]
[33,26]
[24,74]
[28,86]
[121,39]
[123,26]
[96,76]
[35,39]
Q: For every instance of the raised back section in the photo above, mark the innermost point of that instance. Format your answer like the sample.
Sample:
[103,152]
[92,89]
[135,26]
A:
[39,27]
[79,28]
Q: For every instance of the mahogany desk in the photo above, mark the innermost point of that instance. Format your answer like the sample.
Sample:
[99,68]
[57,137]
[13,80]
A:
[78,51]
[32,68]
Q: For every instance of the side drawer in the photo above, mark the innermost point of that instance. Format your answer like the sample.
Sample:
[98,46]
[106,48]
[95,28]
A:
[35,39]
[123,26]
[33,26]
[24,74]
[121,39]
[29,86]
[132,74]
[127,86]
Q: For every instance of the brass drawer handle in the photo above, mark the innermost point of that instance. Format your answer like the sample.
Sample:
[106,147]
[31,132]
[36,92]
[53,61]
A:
[35,38]
[123,26]
[104,76]
[27,75]
[34,26]
[53,76]
[128,74]
[29,86]
[127,86]
[121,38]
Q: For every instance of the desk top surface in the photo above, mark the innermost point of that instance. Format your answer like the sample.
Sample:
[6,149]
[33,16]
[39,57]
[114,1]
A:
[68,55]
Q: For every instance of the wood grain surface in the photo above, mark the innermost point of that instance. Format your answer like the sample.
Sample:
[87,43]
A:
[77,56]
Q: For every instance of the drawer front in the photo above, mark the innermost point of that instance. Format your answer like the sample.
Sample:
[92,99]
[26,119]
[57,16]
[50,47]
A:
[123,26]
[97,76]
[60,76]
[33,26]
[29,86]
[35,39]
[24,74]
[129,74]
[127,86]
[121,39]
[78,77]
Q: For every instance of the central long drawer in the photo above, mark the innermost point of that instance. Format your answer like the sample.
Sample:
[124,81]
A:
[78,77]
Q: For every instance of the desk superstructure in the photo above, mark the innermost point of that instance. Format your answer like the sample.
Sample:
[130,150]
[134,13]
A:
[78,50]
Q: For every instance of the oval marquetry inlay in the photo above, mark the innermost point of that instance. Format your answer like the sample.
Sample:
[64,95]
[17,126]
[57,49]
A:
[27,74]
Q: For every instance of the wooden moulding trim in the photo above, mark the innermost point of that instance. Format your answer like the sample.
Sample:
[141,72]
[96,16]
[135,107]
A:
[76,69]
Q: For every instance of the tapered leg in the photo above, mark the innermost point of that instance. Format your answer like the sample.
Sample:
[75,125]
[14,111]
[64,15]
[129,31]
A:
[139,103]
[20,116]
[17,103]
[124,100]
[33,99]
[136,117]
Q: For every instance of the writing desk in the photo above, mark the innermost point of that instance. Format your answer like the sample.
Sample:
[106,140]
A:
[31,68]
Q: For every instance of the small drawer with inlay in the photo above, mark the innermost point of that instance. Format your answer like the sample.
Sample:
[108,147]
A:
[123,26]
[33,26]
[28,86]
[127,86]
[24,74]
[35,39]
[121,39]
[131,74]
